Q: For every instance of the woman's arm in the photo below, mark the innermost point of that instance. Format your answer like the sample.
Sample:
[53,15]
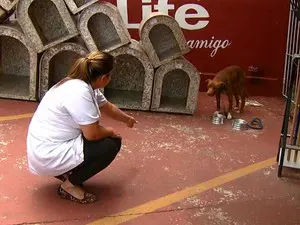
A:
[114,112]
[94,131]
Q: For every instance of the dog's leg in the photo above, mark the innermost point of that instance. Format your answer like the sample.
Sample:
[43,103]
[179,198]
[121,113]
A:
[237,100]
[230,100]
[218,98]
[243,96]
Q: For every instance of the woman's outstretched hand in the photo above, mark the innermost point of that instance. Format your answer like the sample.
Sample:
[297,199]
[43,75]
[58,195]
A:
[131,121]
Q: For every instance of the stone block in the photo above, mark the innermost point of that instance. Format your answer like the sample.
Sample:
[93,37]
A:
[162,39]
[76,6]
[46,22]
[176,87]
[8,5]
[2,13]
[56,62]
[5,15]
[132,78]
[102,27]
[18,63]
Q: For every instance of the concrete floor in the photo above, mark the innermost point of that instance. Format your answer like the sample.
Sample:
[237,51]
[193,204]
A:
[163,154]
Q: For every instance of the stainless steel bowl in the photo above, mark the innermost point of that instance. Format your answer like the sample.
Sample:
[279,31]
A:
[218,119]
[239,124]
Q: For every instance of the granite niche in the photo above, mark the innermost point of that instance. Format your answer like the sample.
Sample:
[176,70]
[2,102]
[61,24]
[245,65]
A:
[102,27]
[45,22]
[18,65]
[2,15]
[162,38]
[176,87]
[76,6]
[56,62]
[5,15]
[132,78]
[8,5]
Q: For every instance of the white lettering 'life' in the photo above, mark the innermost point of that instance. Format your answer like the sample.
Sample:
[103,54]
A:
[163,6]
[181,14]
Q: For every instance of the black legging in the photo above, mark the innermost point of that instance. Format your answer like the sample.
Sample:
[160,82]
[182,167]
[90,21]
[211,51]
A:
[97,156]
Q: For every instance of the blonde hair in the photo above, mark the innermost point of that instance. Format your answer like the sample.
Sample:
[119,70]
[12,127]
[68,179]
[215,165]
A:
[88,69]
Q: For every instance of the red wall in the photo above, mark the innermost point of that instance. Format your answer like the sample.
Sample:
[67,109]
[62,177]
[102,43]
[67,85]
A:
[255,29]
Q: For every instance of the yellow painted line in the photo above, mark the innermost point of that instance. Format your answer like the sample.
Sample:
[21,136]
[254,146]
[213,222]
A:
[16,117]
[151,206]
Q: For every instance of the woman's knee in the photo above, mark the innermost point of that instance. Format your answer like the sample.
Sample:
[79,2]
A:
[118,143]
[102,148]
[113,145]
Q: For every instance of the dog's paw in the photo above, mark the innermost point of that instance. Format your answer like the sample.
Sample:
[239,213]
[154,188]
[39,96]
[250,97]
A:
[216,113]
[229,117]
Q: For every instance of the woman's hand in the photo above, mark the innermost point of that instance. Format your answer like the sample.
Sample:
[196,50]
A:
[112,132]
[130,121]
[114,112]
[93,132]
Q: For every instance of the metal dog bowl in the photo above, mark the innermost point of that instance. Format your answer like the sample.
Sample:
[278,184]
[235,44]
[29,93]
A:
[218,119]
[239,124]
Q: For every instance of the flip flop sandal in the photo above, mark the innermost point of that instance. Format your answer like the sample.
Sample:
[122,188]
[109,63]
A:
[88,197]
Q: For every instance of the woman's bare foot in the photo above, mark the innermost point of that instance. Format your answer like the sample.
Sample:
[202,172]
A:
[75,191]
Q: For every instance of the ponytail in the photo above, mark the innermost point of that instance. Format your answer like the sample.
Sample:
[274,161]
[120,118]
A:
[90,68]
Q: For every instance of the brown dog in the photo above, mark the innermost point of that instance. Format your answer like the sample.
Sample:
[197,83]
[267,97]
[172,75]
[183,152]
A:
[230,81]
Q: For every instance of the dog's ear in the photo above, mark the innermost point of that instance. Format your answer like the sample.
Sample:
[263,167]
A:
[221,85]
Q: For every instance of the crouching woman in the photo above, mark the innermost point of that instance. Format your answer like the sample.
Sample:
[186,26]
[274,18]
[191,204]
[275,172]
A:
[65,139]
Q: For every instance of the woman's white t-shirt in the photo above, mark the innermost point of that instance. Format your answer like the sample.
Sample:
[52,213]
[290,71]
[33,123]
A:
[54,139]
